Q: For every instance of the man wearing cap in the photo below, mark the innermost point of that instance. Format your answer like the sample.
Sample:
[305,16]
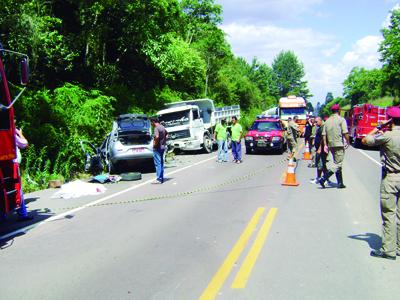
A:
[334,133]
[389,143]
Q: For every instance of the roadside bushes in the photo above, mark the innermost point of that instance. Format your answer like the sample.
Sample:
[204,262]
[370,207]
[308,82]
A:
[247,118]
[71,114]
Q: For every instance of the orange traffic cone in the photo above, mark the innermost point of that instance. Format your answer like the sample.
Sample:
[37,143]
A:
[290,175]
[306,154]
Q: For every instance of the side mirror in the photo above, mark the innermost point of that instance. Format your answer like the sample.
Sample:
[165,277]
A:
[24,71]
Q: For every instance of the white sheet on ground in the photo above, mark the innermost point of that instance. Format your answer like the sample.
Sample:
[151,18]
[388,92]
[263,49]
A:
[79,188]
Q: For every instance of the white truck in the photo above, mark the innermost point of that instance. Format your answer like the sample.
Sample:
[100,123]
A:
[190,124]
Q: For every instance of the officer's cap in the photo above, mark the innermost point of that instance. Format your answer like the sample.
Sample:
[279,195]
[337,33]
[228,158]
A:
[335,107]
[394,112]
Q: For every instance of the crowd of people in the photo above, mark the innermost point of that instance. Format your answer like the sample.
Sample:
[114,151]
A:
[322,138]
[332,137]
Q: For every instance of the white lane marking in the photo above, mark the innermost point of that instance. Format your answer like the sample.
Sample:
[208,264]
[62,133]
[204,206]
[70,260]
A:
[366,155]
[59,216]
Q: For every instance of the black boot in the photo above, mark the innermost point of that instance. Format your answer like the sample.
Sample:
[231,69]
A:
[325,178]
[339,178]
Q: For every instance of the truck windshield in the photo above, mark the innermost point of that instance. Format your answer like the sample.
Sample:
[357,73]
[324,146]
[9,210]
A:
[265,126]
[175,118]
[293,111]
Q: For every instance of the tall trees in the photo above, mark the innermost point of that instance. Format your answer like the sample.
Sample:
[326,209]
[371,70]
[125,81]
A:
[288,73]
[91,60]
[390,51]
[363,85]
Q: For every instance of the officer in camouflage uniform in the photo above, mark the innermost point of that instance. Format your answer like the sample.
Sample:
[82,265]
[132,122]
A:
[293,133]
[334,132]
[389,143]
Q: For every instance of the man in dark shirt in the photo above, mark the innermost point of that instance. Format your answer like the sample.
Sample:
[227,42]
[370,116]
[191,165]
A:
[159,145]
[307,132]
[321,155]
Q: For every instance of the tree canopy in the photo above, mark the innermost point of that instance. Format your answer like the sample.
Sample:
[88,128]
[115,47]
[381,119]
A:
[362,85]
[288,73]
[92,60]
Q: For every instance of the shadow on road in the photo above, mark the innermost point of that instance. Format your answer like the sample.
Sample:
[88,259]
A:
[11,224]
[374,241]
[363,147]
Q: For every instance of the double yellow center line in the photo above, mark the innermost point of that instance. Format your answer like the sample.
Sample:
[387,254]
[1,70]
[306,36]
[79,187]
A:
[243,275]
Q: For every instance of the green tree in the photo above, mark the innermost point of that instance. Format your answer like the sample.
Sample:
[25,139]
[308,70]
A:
[329,97]
[390,52]
[363,85]
[29,27]
[262,76]
[288,73]
[310,107]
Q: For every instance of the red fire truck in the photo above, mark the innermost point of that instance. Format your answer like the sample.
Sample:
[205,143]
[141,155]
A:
[362,118]
[10,183]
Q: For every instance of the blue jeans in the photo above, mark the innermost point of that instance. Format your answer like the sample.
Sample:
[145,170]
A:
[223,150]
[158,157]
[236,150]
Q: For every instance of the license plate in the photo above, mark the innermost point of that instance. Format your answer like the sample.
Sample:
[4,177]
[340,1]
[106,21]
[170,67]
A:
[137,150]
[262,144]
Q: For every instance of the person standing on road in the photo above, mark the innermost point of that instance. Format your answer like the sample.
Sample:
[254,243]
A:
[159,145]
[220,136]
[309,135]
[22,143]
[308,132]
[293,132]
[320,154]
[237,133]
[334,133]
[389,143]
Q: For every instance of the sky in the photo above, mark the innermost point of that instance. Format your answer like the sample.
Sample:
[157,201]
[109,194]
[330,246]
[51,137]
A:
[329,37]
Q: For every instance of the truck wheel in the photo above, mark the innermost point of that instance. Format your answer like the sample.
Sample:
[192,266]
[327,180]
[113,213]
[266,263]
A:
[207,144]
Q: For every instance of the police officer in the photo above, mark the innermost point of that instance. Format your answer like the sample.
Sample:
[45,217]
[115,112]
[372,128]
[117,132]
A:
[334,132]
[389,143]
[293,132]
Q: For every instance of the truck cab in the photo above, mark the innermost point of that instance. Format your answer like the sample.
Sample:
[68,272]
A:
[191,123]
[291,106]
[184,125]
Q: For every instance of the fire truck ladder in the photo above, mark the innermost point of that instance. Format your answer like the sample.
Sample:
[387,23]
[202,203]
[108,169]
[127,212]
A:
[382,114]
[9,186]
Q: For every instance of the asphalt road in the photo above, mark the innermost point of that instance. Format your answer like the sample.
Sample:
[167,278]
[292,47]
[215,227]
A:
[212,231]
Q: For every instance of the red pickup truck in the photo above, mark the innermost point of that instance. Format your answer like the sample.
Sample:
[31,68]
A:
[266,134]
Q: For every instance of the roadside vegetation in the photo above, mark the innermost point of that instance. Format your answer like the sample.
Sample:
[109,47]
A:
[379,87]
[93,60]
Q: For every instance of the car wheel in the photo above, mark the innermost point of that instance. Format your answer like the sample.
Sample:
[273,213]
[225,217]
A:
[207,144]
[281,149]
[356,143]
[131,176]
[113,168]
